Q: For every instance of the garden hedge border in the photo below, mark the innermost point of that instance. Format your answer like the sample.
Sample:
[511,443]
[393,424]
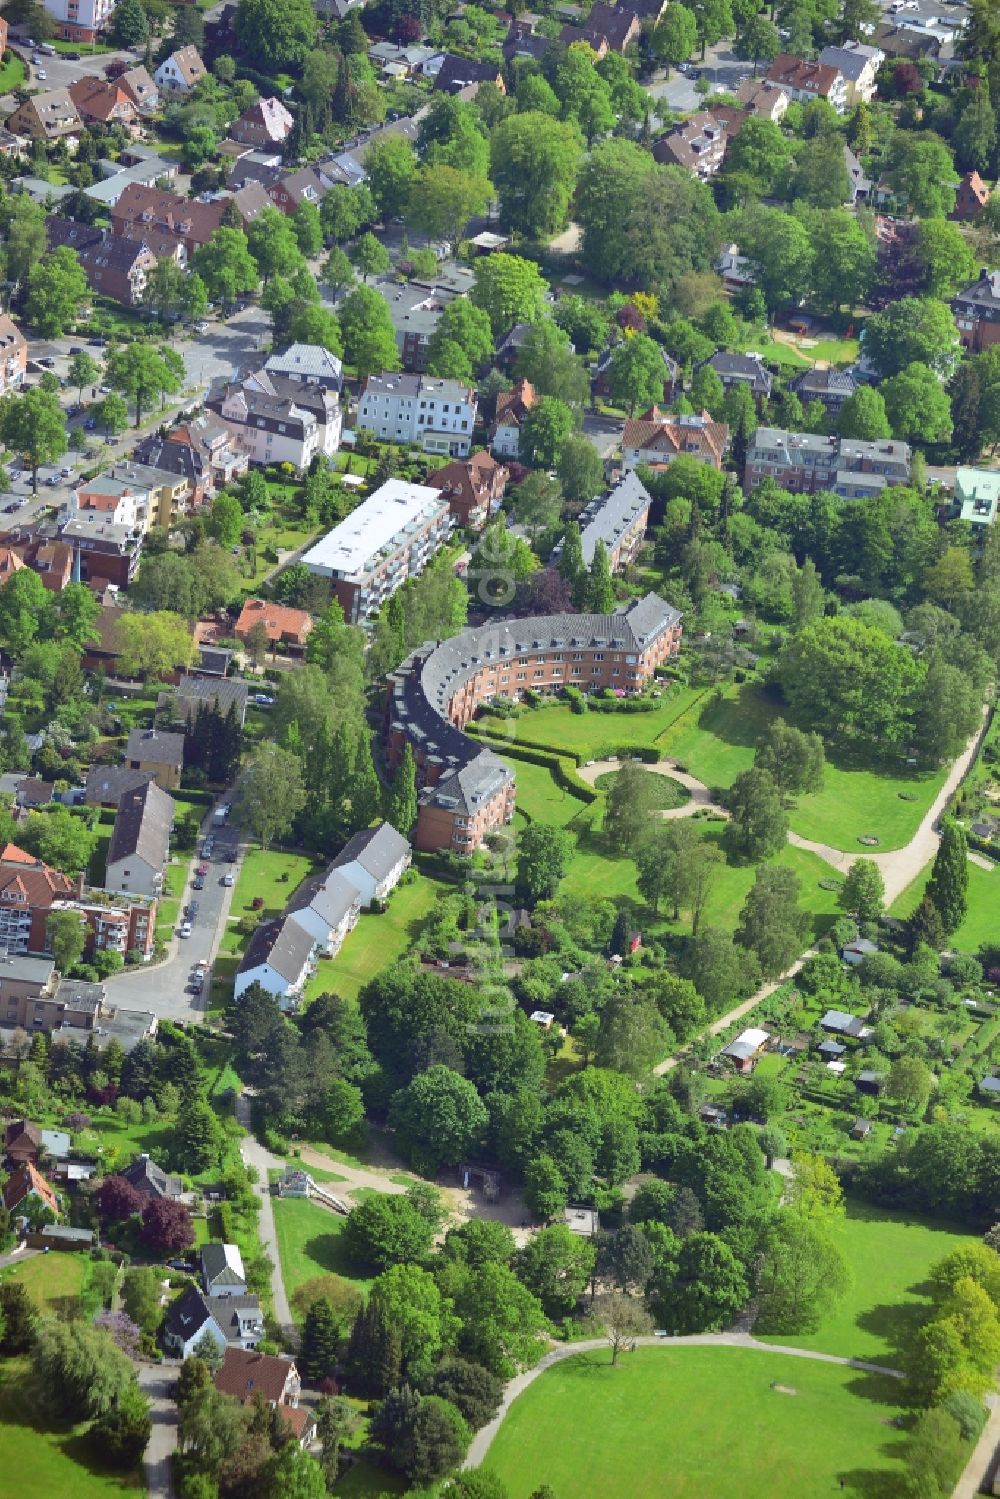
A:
[562,768]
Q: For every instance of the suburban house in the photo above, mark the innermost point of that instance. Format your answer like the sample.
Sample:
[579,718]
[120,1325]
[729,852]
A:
[764,99]
[13,354]
[189,1319]
[511,409]
[147,1178]
[307,364]
[225,695]
[804,461]
[463,76]
[437,414]
[473,487]
[276,420]
[107,784]
[971,196]
[27,1185]
[22,1142]
[50,116]
[657,438]
[619,519]
[266,123]
[140,841]
[161,754]
[804,81]
[141,210]
[858,65]
[327,909]
[104,553]
[306,185]
[105,103]
[747,1049]
[222,1272]
[141,89]
[247,1375]
[977,312]
[374,861]
[280,956]
[977,496]
[608,28]
[672,373]
[283,624]
[179,72]
[742,369]
[830,387]
[698,144]
[390,536]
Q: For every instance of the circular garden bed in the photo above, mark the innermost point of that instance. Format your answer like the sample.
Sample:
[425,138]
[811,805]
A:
[669,793]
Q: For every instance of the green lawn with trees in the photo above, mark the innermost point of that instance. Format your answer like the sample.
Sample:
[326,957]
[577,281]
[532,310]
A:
[378,940]
[889,1255]
[675,1423]
[49,1459]
[310,1243]
[981,924]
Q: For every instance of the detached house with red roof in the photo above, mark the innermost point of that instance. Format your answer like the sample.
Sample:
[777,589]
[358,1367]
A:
[473,488]
[246,1374]
[266,123]
[658,437]
[971,197]
[284,625]
[512,407]
[106,103]
[25,1186]
[804,81]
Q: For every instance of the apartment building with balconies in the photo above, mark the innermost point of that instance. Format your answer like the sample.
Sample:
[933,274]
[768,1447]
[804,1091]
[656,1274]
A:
[438,414]
[389,538]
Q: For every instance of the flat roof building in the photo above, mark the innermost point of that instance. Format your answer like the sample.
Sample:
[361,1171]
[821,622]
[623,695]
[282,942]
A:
[390,537]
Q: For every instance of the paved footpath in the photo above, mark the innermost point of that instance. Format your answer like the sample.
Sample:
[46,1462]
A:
[976,1469]
[483,1438]
[157,1381]
[899,866]
[255,1155]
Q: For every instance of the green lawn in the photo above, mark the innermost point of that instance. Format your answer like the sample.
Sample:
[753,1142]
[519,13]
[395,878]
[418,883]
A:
[700,1423]
[54,1281]
[310,1243]
[48,1461]
[890,1255]
[592,735]
[271,876]
[540,798]
[12,73]
[377,941]
[715,740]
[595,871]
[982,922]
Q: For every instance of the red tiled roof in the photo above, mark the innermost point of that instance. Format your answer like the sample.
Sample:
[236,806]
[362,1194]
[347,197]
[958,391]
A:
[24,1180]
[246,1373]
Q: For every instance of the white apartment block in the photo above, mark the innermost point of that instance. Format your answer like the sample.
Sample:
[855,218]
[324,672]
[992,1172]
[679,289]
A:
[389,538]
[437,414]
[80,20]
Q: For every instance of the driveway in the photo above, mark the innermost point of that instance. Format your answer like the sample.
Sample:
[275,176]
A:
[156,1381]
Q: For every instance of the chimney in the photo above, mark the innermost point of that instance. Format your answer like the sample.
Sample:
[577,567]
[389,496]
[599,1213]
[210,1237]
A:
[79,886]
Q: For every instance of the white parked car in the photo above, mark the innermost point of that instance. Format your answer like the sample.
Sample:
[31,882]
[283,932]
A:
[185,929]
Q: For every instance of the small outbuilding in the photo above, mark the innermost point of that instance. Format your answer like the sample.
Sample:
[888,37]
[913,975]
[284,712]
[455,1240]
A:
[582,1221]
[842,1024]
[746,1050]
[869,1082]
[861,1129]
[990,1088]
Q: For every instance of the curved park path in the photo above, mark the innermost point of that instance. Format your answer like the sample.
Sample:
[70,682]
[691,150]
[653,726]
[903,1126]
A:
[483,1438]
[899,866]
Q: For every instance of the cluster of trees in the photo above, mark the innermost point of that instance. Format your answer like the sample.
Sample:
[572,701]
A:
[214,744]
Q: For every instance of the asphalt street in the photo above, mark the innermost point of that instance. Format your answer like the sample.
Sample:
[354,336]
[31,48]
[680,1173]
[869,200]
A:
[163,987]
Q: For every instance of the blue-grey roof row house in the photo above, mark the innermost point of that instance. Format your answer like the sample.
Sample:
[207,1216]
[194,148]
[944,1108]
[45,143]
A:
[618,519]
[373,861]
[829,386]
[140,841]
[233,1321]
[280,957]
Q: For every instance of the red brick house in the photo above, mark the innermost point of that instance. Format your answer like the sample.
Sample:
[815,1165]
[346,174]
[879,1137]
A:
[27,1181]
[22,1142]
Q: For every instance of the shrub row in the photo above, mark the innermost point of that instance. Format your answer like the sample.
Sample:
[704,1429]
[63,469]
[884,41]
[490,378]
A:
[983,846]
[560,767]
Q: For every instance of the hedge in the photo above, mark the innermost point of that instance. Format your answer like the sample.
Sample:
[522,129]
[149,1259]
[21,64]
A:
[983,846]
[558,766]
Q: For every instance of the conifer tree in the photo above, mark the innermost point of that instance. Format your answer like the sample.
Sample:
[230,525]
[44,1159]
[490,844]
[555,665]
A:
[949,882]
[401,803]
[601,589]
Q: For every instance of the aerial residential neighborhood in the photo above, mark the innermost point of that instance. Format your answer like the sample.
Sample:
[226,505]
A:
[499,767]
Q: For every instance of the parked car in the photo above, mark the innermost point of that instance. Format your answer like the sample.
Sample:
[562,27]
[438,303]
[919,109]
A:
[198,883]
[9,509]
[41,74]
[231,855]
[52,480]
[185,929]
[89,425]
[263,700]
[229,879]
[202,870]
[172,1264]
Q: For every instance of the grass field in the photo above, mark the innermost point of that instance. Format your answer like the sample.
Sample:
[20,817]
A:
[716,740]
[12,73]
[594,871]
[47,1461]
[982,922]
[272,876]
[890,1255]
[54,1281]
[700,1423]
[310,1243]
[377,941]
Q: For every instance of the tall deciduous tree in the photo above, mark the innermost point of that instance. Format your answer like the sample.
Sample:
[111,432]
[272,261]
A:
[270,793]
[758,823]
[534,161]
[33,424]
[771,923]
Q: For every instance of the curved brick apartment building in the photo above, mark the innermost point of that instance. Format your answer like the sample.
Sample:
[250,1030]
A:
[467,791]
